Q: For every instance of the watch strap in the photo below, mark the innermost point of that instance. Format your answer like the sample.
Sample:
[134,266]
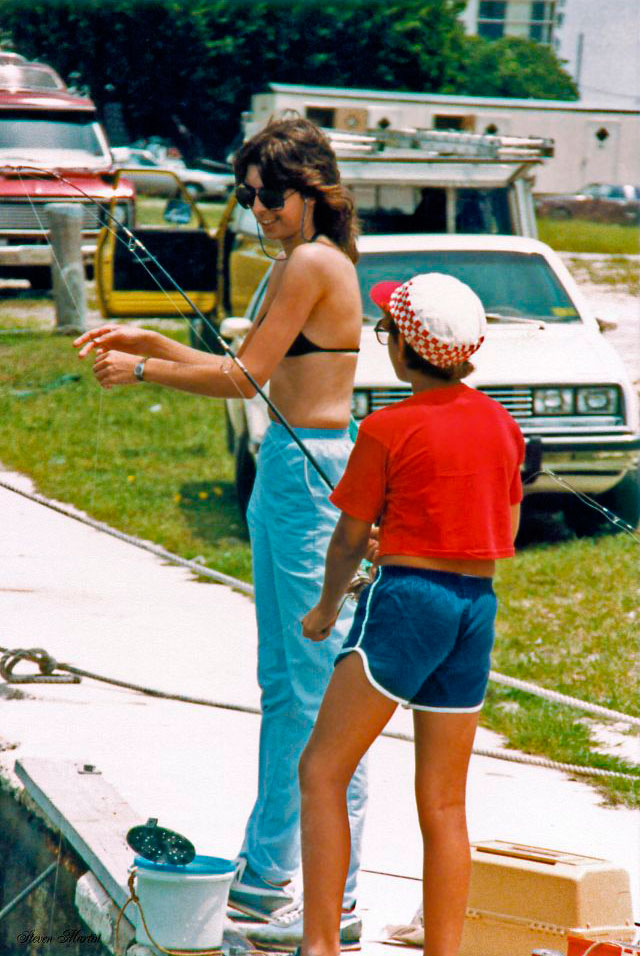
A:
[138,370]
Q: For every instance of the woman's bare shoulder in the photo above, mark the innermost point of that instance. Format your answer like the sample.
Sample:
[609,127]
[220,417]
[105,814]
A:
[323,255]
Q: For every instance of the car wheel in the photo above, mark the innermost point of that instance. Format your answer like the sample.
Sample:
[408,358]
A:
[623,500]
[245,474]
[194,189]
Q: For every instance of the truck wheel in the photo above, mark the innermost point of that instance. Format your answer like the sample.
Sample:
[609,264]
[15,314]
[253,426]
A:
[245,474]
[623,500]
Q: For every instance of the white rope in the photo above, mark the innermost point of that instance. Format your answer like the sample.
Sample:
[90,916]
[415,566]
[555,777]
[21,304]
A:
[245,588]
[200,569]
[559,698]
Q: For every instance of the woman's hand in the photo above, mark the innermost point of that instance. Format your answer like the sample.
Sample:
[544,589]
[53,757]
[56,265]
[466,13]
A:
[317,624]
[115,368]
[124,338]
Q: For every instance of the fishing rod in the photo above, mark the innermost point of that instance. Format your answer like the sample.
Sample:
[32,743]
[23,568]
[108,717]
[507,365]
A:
[143,256]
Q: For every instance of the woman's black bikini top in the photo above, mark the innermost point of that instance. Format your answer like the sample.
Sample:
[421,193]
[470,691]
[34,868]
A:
[301,345]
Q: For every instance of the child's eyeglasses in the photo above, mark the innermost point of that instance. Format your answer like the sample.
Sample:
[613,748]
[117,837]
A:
[270,198]
[382,328]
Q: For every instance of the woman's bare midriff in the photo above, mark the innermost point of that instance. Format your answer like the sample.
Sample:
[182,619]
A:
[472,566]
[328,375]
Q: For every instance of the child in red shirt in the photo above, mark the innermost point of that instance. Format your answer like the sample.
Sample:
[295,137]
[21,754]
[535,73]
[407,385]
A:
[440,474]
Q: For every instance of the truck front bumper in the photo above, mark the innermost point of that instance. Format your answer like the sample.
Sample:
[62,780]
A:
[25,256]
[590,464]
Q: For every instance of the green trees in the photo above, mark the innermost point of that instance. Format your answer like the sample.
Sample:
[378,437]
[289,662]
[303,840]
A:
[196,63]
[514,67]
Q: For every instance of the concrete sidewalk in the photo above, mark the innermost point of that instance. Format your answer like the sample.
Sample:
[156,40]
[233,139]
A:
[105,606]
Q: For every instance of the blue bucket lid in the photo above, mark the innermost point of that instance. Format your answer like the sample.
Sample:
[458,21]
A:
[199,866]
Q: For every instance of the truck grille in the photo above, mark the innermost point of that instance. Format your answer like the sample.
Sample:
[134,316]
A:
[517,401]
[25,216]
[386,396]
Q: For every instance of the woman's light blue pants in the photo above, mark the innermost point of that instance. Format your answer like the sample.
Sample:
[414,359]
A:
[290,523]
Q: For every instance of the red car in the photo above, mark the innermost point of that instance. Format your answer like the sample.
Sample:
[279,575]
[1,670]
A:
[599,202]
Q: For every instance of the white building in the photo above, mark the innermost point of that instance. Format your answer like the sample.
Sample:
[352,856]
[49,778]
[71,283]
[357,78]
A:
[600,42]
[597,40]
[592,144]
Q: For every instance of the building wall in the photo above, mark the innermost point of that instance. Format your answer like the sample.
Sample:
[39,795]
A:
[591,145]
[600,42]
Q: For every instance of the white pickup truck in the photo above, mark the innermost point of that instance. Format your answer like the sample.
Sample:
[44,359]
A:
[544,358]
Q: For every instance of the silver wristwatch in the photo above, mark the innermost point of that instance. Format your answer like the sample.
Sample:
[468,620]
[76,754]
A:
[138,370]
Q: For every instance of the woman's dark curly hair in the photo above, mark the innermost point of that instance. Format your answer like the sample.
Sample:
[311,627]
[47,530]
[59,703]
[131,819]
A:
[295,153]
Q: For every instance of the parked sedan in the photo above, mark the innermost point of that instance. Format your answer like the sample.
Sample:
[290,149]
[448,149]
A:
[599,202]
[545,360]
[152,179]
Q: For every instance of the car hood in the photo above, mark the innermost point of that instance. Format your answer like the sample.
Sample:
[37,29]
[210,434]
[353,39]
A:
[516,355]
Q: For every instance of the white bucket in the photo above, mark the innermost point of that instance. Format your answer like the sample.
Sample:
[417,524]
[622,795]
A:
[184,906]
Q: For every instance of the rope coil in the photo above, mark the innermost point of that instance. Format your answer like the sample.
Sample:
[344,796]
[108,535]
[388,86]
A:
[46,665]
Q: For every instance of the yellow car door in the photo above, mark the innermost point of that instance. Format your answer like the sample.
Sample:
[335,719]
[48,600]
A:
[138,270]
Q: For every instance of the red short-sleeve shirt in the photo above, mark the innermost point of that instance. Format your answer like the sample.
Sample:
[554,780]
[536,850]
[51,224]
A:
[438,472]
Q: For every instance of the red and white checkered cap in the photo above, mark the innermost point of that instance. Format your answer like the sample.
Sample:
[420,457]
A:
[441,318]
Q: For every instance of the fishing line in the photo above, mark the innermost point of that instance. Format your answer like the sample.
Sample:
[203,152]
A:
[133,244]
[76,307]
[612,518]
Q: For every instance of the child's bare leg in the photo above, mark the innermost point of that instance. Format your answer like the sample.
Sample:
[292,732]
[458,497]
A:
[443,744]
[352,715]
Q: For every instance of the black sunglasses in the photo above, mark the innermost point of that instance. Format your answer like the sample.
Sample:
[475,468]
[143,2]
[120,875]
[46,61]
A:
[270,198]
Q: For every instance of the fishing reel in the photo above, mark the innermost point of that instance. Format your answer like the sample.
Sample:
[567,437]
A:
[361,579]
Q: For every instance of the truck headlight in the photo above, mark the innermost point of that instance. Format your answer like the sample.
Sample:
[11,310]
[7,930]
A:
[597,400]
[360,404]
[553,401]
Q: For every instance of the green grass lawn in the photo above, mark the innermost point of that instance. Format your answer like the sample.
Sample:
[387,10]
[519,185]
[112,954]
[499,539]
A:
[579,235]
[154,463]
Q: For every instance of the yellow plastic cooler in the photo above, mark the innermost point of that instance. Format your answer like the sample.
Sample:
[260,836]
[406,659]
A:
[524,897]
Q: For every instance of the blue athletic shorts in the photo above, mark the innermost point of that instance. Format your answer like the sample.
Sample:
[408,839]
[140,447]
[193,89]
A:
[425,637]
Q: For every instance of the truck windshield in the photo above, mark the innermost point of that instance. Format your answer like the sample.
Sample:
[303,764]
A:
[27,135]
[508,283]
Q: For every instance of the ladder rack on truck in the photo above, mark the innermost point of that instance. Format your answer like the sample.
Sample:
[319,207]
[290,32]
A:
[429,144]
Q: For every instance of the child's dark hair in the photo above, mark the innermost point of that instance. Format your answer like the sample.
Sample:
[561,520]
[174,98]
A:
[414,361]
[295,153]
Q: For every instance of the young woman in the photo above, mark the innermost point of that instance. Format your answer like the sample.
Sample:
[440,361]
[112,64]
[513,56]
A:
[305,344]
[442,469]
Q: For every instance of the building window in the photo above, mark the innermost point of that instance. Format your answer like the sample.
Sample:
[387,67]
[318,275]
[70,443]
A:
[321,116]
[465,124]
[541,27]
[491,18]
